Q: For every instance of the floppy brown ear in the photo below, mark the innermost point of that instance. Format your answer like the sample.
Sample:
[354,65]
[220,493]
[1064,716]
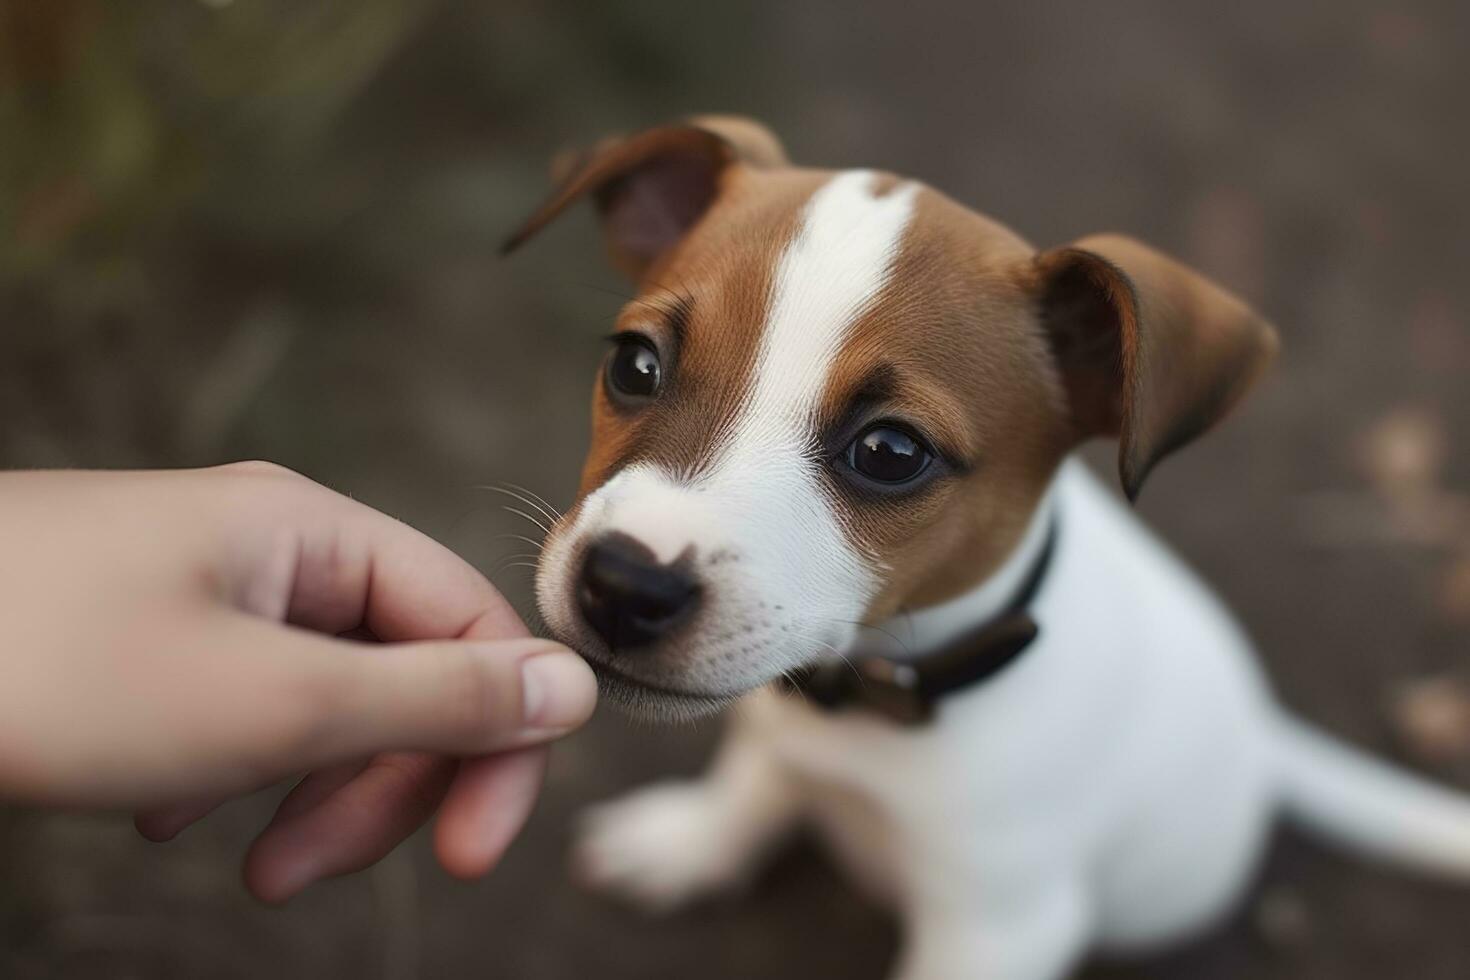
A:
[650,188]
[1149,351]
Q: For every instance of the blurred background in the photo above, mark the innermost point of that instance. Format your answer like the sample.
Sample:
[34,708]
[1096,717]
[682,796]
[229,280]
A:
[264,228]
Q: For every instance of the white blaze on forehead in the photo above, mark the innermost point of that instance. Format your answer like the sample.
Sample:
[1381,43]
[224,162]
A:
[831,272]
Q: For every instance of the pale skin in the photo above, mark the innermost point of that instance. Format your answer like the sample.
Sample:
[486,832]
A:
[171,640]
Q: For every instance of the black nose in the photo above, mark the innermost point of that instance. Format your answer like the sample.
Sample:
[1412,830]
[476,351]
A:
[628,597]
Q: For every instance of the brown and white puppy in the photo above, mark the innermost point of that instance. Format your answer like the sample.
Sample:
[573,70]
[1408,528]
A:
[839,395]
[784,316]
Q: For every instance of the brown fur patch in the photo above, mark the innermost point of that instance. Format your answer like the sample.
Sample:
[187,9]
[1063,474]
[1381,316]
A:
[970,372]
[723,272]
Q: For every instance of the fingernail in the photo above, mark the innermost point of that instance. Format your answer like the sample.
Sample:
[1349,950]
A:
[558,689]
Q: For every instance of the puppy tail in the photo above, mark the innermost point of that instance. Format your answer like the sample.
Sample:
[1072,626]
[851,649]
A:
[1372,806]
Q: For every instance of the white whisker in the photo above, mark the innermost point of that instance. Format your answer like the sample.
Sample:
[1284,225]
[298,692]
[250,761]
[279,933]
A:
[546,504]
[868,626]
[506,566]
[840,655]
[545,511]
[538,545]
[521,513]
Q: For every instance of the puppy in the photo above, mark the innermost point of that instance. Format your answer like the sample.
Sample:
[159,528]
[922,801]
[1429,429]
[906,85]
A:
[830,479]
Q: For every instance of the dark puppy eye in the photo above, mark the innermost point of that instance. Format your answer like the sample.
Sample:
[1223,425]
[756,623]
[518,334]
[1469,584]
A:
[633,370]
[886,454]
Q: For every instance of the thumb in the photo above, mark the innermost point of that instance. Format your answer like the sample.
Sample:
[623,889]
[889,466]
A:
[461,697]
[335,699]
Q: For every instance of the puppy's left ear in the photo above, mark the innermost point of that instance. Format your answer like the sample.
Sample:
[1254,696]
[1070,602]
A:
[1148,350]
[651,187]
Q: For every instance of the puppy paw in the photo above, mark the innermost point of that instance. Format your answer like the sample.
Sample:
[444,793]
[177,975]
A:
[659,848]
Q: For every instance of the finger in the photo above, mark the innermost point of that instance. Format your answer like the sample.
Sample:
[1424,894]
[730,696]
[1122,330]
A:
[331,564]
[162,824]
[370,814]
[167,822]
[486,807]
[489,802]
[316,787]
[348,829]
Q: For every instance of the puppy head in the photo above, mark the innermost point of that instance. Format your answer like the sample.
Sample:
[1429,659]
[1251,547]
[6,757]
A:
[838,394]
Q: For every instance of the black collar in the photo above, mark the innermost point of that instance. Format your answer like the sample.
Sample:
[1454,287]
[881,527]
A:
[906,691]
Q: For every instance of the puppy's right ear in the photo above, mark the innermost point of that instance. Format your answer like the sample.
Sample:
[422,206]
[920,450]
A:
[652,187]
[1148,350]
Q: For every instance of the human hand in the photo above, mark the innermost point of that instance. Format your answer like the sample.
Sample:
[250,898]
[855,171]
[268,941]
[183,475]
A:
[170,641]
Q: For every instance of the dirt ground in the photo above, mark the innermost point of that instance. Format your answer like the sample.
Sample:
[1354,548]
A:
[240,231]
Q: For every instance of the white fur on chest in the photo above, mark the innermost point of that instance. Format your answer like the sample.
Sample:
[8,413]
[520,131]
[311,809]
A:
[1127,726]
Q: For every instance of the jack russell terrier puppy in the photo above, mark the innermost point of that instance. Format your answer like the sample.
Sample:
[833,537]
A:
[830,478]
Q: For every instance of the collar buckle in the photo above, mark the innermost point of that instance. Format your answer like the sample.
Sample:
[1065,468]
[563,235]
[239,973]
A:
[907,692]
[885,687]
